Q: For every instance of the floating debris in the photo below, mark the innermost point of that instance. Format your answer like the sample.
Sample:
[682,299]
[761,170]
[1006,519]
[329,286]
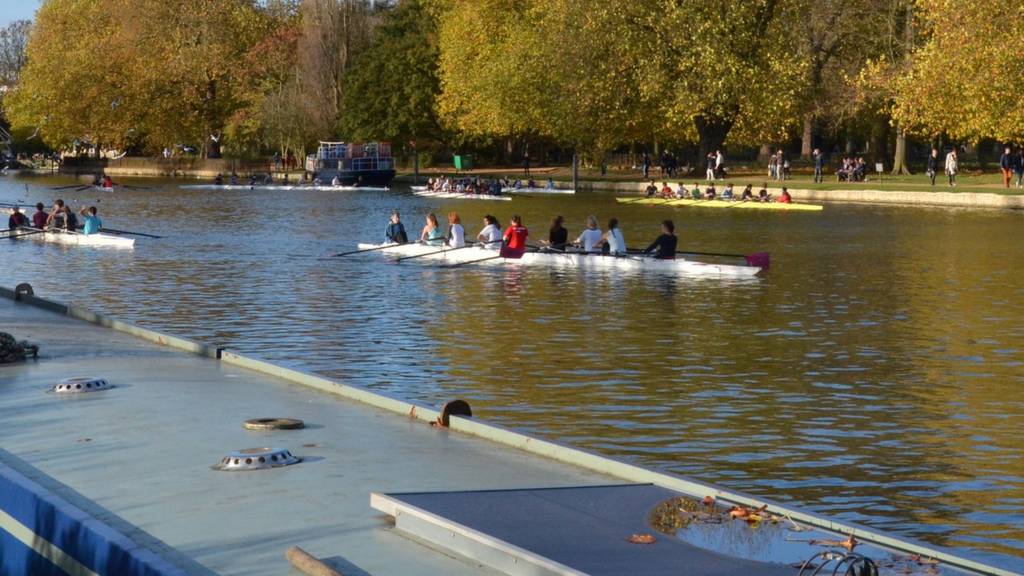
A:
[256,459]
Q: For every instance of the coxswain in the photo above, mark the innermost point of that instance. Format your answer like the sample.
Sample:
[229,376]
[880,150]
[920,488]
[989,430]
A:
[590,238]
[748,193]
[785,198]
[252,180]
[40,217]
[558,236]
[613,239]
[651,189]
[17,219]
[490,236]
[666,243]
[515,239]
[91,223]
[395,232]
[456,233]
[107,181]
[218,180]
[432,233]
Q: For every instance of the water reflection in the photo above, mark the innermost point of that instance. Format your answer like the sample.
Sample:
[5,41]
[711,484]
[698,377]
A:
[874,373]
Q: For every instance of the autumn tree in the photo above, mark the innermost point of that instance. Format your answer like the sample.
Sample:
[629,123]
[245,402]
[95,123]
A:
[964,80]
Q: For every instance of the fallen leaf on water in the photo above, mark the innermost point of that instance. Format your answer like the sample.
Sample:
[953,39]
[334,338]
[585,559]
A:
[642,539]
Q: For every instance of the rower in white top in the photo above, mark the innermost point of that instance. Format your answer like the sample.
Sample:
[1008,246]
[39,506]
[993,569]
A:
[490,236]
[591,237]
[614,238]
[456,233]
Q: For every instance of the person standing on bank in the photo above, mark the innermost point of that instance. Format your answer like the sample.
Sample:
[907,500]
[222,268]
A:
[933,165]
[952,166]
[1006,165]
[1018,167]
[819,166]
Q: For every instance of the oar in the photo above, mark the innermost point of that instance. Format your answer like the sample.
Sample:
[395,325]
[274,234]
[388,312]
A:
[475,261]
[468,245]
[143,234]
[381,247]
[29,233]
[66,187]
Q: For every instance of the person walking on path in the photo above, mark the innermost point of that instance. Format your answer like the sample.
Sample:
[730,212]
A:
[719,165]
[710,172]
[780,165]
[526,164]
[771,167]
[1006,165]
[819,166]
[933,165]
[952,166]
[1018,167]
[646,162]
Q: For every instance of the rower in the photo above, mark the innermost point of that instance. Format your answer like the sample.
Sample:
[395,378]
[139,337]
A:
[57,218]
[96,180]
[456,233]
[651,189]
[490,236]
[551,184]
[695,193]
[710,192]
[395,232]
[234,179]
[515,239]
[40,217]
[107,181]
[558,236]
[666,243]
[92,222]
[17,219]
[432,233]
[613,239]
[680,190]
[727,193]
[666,191]
[591,236]
[785,198]
[218,180]
[748,193]
[763,195]
[335,181]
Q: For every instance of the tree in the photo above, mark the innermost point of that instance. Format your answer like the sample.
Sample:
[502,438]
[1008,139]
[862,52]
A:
[392,88]
[13,41]
[730,68]
[334,32]
[964,79]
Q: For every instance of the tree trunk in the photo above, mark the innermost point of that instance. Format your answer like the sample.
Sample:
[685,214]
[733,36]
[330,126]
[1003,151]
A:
[807,141]
[712,131]
[899,162]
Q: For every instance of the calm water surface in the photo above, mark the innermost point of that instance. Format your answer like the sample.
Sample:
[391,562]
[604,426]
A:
[876,373]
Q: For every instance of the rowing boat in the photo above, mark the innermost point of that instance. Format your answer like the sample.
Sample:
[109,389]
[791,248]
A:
[566,259]
[325,188]
[103,188]
[538,190]
[460,196]
[74,238]
[735,204]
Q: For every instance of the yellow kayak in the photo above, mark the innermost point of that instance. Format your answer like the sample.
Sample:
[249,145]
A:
[735,204]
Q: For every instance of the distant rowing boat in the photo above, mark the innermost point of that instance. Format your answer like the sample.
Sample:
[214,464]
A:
[567,259]
[327,188]
[74,238]
[513,190]
[457,195]
[735,204]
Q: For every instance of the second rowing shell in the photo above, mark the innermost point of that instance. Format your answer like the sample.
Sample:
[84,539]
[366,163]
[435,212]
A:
[677,267]
[281,187]
[735,204]
[458,196]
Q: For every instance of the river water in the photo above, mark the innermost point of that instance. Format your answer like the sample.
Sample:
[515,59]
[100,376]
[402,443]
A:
[875,373]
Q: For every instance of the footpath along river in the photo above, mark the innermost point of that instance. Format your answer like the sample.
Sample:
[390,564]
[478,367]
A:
[875,373]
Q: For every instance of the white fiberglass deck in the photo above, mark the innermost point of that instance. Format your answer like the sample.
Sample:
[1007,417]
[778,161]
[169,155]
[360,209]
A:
[143,451]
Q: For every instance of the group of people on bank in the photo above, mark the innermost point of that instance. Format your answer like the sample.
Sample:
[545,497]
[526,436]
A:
[710,192]
[60,217]
[512,241]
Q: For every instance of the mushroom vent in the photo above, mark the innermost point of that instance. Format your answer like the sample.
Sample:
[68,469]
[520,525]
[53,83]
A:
[81,385]
[257,459]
